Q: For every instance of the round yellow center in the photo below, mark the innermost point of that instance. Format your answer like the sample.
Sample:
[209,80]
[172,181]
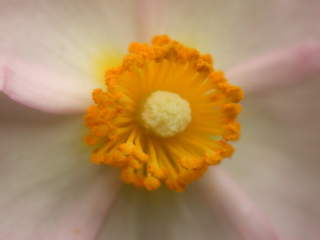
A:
[166,113]
[167,116]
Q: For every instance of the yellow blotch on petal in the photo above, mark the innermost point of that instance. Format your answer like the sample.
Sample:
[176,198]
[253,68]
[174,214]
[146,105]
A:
[106,59]
[166,117]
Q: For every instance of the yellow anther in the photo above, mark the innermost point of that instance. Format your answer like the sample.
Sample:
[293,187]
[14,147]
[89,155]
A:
[151,183]
[126,148]
[191,163]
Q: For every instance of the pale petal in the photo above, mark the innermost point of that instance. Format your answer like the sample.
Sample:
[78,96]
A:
[233,30]
[38,87]
[247,219]
[2,61]
[61,47]
[125,220]
[66,34]
[280,68]
[147,12]
[49,189]
[164,214]
[212,209]
[277,158]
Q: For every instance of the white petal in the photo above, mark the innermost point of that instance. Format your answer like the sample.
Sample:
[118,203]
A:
[163,214]
[233,30]
[125,220]
[66,34]
[61,48]
[280,68]
[277,158]
[2,62]
[242,214]
[215,209]
[49,189]
[40,88]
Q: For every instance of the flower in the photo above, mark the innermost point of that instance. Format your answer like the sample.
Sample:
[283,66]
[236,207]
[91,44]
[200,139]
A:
[50,191]
[153,129]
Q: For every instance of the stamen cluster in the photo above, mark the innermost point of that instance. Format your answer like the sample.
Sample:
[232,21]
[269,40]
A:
[147,159]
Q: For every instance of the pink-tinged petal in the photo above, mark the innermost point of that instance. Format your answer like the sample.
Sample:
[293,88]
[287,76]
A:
[232,30]
[38,87]
[2,62]
[126,219]
[280,68]
[147,11]
[247,219]
[49,189]
[67,35]
[202,213]
[166,215]
[214,208]
[277,158]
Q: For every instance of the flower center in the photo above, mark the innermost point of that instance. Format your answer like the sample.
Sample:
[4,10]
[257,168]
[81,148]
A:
[166,113]
[166,117]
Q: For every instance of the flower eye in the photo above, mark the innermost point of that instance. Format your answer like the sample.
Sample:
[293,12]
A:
[166,116]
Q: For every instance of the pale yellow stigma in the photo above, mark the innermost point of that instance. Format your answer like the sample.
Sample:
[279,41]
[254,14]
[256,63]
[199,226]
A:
[166,113]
